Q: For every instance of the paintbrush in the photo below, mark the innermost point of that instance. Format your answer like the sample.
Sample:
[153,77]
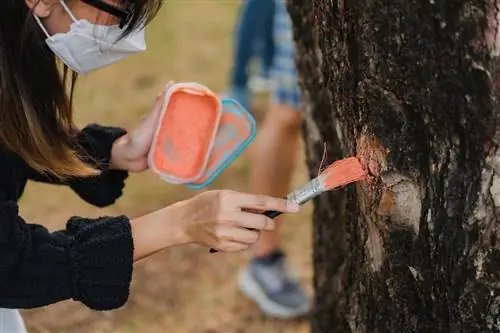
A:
[338,174]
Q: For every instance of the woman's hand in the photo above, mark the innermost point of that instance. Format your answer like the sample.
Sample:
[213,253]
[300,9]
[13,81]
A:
[221,219]
[130,152]
[216,219]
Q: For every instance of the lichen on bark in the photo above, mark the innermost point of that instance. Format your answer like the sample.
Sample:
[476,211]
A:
[411,88]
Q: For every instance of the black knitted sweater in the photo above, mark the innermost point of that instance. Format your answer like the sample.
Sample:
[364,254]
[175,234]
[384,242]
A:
[90,261]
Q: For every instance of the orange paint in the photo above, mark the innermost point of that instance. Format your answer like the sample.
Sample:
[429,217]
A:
[232,131]
[186,133]
[342,172]
[372,156]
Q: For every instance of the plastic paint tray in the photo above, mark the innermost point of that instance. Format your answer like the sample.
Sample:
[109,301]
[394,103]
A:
[186,130]
[236,130]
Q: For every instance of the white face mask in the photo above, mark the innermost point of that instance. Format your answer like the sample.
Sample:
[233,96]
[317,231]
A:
[87,47]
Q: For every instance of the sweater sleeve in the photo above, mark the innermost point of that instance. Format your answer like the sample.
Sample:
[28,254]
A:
[90,261]
[103,190]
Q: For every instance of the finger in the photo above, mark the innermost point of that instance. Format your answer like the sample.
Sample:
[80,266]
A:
[237,234]
[232,247]
[165,89]
[147,127]
[263,203]
[250,220]
[153,115]
[168,86]
[158,103]
[255,211]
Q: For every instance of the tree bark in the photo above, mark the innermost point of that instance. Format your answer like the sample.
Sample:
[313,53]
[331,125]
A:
[411,88]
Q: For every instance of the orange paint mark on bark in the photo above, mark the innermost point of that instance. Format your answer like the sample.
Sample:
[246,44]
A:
[372,155]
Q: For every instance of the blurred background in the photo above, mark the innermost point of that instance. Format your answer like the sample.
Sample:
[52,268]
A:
[185,289]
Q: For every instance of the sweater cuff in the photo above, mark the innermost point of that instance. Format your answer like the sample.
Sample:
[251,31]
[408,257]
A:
[97,143]
[101,267]
[102,190]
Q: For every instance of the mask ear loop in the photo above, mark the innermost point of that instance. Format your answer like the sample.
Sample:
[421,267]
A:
[37,19]
[73,18]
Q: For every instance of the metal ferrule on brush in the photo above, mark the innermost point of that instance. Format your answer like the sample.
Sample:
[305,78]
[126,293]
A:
[306,192]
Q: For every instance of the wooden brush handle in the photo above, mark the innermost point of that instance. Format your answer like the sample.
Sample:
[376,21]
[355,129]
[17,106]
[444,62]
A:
[270,213]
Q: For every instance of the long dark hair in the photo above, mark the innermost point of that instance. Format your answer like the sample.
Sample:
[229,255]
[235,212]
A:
[36,119]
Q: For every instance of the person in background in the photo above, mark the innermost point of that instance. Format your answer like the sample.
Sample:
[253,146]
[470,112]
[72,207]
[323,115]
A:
[91,260]
[266,279]
[253,36]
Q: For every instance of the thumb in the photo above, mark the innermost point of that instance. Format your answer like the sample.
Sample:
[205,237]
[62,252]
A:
[146,129]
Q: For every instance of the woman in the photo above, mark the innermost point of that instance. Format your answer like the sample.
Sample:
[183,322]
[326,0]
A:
[91,260]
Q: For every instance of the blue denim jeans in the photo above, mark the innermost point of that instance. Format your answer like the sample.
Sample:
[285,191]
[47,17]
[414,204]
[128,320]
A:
[254,32]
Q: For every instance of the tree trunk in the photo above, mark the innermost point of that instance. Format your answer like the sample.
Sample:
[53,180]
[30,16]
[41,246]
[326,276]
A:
[411,88]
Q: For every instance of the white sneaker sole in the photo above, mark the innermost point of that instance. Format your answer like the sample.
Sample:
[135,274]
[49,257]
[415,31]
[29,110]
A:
[251,289]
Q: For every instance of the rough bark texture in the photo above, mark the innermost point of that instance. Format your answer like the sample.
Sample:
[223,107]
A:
[411,88]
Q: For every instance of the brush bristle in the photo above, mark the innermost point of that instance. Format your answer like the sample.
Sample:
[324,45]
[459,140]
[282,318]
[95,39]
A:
[342,172]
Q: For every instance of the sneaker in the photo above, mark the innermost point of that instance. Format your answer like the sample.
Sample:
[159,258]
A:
[268,282]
